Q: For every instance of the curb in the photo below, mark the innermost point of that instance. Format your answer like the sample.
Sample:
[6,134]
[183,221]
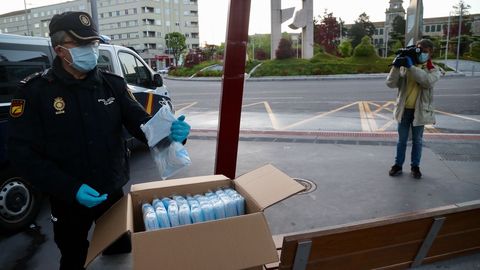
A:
[304,78]
[335,135]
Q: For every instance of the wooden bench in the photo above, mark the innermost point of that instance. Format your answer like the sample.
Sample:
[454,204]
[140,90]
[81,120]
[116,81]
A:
[394,242]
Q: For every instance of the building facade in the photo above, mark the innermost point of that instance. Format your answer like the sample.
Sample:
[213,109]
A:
[140,24]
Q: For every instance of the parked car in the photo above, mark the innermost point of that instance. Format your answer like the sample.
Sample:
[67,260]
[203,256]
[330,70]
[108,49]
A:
[165,70]
[21,56]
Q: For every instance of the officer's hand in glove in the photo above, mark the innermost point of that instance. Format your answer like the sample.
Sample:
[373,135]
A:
[179,130]
[409,62]
[89,197]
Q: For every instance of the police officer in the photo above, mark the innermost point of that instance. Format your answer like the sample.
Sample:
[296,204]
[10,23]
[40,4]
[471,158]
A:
[66,134]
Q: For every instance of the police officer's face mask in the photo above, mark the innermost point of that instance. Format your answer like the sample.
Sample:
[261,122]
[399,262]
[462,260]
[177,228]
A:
[84,58]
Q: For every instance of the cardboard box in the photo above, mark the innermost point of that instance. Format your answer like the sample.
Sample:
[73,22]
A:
[233,243]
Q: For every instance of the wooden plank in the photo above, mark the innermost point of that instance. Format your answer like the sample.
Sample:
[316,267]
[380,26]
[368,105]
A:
[355,241]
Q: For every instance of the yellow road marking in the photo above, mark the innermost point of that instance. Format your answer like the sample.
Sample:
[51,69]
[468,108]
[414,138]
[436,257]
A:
[370,117]
[459,116]
[186,107]
[387,125]
[364,116]
[273,119]
[320,115]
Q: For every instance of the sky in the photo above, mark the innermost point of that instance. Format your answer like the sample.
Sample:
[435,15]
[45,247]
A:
[213,13]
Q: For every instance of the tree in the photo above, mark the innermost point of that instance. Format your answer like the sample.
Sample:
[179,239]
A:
[284,50]
[365,48]
[175,42]
[398,30]
[327,32]
[345,48]
[362,27]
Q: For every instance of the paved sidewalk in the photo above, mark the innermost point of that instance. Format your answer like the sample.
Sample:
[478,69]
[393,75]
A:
[350,179]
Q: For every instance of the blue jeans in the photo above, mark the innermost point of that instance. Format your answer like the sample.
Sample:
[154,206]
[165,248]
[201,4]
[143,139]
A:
[417,138]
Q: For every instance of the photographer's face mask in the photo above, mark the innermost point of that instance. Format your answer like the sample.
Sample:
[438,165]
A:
[423,57]
[84,58]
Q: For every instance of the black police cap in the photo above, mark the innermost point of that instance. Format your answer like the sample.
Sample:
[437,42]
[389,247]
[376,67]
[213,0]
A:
[78,24]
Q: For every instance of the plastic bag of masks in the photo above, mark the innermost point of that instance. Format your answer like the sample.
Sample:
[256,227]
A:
[169,156]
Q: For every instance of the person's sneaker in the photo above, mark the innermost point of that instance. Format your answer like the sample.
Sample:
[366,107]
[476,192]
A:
[416,172]
[395,170]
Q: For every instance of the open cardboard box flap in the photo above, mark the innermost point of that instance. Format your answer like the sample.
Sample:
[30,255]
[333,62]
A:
[267,185]
[110,226]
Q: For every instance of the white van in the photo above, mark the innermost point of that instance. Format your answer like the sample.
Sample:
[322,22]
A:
[21,56]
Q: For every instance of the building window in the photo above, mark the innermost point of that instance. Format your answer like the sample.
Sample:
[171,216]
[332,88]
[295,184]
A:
[427,28]
[35,15]
[126,11]
[37,25]
[439,27]
[380,41]
[381,31]
[194,35]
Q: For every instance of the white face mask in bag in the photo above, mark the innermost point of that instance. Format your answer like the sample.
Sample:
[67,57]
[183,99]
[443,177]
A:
[169,156]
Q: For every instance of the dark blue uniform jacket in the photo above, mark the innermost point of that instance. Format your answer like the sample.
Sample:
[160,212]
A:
[67,132]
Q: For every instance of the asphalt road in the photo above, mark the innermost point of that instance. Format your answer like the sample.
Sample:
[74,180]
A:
[326,104]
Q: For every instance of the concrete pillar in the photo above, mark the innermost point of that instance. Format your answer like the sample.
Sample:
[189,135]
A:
[414,24]
[276,26]
[307,31]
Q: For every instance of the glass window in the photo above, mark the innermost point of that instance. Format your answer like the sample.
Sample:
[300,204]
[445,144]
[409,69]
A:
[134,71]
[105,60]
[16,65]
[381,31]
[427,28]
[439,27]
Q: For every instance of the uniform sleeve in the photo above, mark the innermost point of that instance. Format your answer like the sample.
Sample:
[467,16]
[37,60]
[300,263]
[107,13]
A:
[26,150]
[133,114]
[424,77]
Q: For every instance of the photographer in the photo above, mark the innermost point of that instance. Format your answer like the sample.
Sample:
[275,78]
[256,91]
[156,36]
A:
[414,75]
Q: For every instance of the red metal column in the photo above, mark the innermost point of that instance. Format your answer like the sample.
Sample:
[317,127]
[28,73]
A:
[232,88]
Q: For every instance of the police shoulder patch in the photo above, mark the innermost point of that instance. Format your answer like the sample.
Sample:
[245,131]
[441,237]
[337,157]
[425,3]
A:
[17,107]
[31,77]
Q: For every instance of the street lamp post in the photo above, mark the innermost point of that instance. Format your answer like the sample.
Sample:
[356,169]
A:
[253,48]
[26,17]
[459,35]
[448,38]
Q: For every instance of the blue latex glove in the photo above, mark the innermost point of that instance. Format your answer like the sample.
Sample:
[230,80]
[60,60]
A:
[409,62]
[179,130]
[89,197]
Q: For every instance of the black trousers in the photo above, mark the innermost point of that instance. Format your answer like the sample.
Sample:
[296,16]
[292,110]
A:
[71,223]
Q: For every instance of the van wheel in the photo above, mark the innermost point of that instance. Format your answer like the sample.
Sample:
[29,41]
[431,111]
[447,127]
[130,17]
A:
[19,202]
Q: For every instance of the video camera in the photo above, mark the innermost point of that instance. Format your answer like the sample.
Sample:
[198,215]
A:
[411,51]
